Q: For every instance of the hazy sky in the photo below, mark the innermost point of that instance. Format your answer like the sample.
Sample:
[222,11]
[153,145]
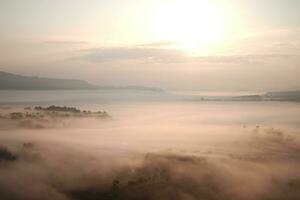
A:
[219,45]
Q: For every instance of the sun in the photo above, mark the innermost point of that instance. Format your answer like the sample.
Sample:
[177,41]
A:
[192,24]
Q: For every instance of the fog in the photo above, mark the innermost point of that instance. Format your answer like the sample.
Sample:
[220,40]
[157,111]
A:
[154,150]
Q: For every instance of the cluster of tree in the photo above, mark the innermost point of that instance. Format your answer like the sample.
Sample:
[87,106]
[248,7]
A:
[58,109]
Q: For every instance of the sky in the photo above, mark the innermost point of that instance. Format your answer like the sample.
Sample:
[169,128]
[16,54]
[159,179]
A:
[209,45]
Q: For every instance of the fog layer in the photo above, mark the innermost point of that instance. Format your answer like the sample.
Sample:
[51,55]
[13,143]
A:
[208,150]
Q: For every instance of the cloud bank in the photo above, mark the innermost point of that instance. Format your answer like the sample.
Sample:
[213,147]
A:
[163,55]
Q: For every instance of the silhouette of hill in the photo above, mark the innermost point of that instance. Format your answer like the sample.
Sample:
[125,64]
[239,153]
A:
[13,81]
[9,81]
[283,95]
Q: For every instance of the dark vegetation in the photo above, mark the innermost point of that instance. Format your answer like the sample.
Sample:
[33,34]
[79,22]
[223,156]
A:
[6,155]
[16,115]
[58,109]
[39,112]
[47,117]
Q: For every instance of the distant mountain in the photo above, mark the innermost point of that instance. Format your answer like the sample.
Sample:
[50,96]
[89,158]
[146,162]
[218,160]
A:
[9,81]
[270,96]
[291,96]
[283,95]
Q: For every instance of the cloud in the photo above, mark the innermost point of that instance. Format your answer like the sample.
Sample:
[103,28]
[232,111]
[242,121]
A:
[65,42]
[291,46]
[158,44]
[245,59]
[165,55]
[139,54]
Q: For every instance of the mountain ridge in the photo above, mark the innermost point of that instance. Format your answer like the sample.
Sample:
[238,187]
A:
[10,81]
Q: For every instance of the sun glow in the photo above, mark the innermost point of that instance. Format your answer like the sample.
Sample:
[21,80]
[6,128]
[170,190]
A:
[192,24]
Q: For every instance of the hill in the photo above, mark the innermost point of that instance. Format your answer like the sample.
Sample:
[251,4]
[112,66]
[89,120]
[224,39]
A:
[9,81]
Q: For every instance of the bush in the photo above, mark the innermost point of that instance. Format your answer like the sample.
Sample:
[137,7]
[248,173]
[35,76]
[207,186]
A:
[6,155]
